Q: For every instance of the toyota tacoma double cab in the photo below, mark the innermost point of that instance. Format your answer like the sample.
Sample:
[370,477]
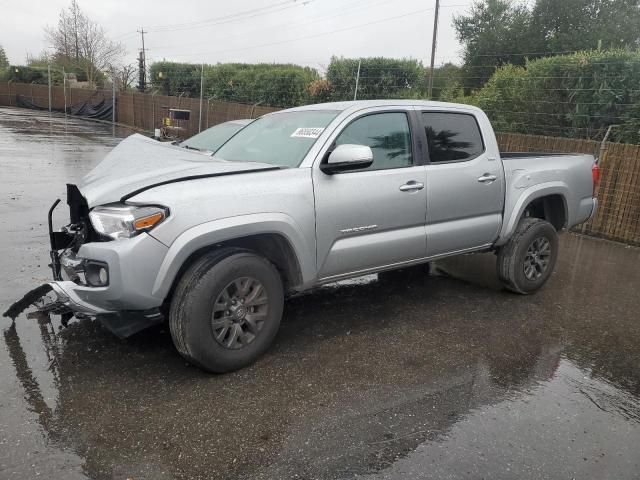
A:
[295,199]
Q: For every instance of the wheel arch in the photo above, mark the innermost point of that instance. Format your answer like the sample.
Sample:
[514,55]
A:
[552,208]
[547,202]
[277,240]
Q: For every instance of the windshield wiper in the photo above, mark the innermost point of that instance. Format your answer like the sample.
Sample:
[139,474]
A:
[190,148]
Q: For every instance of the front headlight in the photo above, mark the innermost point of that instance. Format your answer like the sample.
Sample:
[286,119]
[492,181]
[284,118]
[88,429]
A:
[125,221]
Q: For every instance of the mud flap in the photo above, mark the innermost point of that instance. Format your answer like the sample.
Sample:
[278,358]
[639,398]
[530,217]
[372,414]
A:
[126,323]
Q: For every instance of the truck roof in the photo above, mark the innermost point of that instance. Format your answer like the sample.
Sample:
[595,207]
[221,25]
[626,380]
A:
[360,104]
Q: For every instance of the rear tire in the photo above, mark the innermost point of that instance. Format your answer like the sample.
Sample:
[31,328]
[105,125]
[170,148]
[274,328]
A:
[226,310]
[527,260]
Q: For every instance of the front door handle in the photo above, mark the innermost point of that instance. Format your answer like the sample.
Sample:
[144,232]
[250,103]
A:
[487,178]
[411,186]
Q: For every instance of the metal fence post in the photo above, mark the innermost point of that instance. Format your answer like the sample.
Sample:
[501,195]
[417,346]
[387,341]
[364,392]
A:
[113,97]
[208,104]
[64,90]
[153,111]
[355,92]
[49,81]
[201,88]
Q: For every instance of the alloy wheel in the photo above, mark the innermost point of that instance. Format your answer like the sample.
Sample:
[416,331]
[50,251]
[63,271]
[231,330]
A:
[536,260]
[239,313]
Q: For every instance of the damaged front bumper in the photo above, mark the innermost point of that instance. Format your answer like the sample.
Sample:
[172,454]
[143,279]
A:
[122,323]
[65,295]
[110,281]
[61,298]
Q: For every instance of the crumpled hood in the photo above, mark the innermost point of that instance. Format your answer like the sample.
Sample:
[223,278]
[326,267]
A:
[139,162]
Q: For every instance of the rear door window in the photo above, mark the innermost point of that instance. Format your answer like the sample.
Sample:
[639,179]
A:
[452,137]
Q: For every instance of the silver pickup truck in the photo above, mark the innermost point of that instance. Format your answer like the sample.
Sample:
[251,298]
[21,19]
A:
[298,198]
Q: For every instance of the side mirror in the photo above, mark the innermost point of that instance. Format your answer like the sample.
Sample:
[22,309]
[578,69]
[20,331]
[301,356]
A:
[348,157]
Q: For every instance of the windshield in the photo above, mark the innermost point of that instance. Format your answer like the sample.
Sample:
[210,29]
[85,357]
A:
[212,138]
[281,139]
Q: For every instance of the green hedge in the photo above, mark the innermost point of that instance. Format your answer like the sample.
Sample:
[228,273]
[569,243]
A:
[577,95]
[379,78]
[24,74]
[287,85]
[278,85]
[172,78]
[37,73]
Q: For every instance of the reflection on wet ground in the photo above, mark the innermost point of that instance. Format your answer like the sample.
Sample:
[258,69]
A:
[407,374]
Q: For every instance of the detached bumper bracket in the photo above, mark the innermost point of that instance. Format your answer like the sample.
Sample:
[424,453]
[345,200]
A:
[58,241]
[53,253]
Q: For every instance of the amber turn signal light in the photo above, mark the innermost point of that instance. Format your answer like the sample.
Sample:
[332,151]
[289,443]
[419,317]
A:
[148,222]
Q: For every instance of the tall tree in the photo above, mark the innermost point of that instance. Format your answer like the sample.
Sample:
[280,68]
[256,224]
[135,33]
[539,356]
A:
[572,25]
[500,32]
[81,42]
[494,33]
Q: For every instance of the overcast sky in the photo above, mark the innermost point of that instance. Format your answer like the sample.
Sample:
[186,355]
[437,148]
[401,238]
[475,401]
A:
[303,32]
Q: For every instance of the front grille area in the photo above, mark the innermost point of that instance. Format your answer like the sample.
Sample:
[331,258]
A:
[80,225]
[66,242]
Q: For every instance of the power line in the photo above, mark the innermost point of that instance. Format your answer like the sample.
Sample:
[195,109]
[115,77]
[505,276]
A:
[316,19]
[339,30]
[233,17]
[286,5]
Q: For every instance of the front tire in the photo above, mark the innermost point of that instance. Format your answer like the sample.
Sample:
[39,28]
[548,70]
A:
[226,310]
[527,260]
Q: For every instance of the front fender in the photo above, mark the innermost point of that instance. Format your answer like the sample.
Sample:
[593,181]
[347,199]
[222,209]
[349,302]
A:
[523,198]
[211,233]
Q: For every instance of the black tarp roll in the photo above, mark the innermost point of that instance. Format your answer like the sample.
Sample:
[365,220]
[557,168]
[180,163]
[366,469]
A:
[102,109]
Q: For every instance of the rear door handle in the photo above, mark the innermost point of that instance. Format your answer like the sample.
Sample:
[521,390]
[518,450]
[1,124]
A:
[487,178]
[411,186]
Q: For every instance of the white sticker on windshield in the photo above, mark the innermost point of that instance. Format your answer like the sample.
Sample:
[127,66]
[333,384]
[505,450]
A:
[307,132]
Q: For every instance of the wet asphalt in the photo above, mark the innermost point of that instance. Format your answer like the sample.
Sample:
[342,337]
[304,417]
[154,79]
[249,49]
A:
[405,375]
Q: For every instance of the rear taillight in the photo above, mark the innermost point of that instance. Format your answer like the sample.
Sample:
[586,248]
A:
[595,176]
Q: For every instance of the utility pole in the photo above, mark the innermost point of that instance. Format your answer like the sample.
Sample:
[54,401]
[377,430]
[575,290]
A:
[433,49]
[141,76]
[142,65]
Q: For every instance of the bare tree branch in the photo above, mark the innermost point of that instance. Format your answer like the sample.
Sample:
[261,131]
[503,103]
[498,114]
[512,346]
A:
[124,76]
[82,43]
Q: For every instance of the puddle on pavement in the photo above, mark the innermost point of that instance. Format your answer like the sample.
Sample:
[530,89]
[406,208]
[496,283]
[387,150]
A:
[400,375]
